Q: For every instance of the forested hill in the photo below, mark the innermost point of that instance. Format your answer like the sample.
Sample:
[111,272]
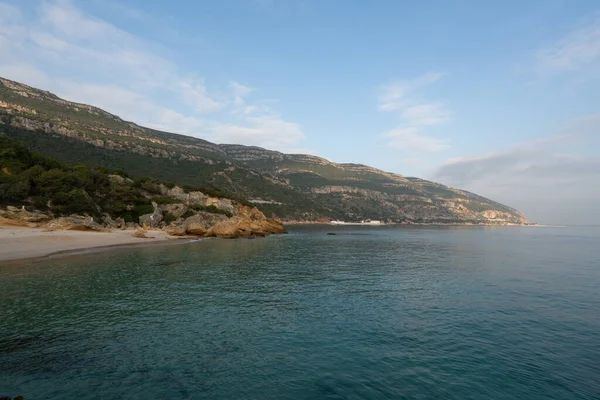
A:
[36,182]
[290,186]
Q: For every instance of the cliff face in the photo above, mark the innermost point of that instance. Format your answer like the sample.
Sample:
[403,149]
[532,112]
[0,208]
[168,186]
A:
[290,186]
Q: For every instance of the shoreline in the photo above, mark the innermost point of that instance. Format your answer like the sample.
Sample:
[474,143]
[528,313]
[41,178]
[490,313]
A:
[296,223]
[23,245]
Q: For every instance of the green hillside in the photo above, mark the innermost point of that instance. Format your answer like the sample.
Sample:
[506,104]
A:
[291,186]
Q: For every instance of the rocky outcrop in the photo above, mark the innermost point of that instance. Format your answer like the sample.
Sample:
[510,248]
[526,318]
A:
[176,210]
[200,223]
[109,222]
[14,216]
[248,222]
[243,227]
[152,220]
[75,223]
[198,198]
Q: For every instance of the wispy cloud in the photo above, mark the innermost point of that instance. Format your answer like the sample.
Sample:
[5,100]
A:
[59,47]
[264,131]
[577,51]
[544,178]
[414,113]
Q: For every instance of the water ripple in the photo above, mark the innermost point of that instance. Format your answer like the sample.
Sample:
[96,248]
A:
[366,314]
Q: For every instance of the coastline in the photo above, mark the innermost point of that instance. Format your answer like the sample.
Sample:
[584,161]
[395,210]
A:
[292,223]
[21,244]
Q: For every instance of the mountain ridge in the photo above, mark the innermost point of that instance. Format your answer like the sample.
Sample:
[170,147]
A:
[291,186]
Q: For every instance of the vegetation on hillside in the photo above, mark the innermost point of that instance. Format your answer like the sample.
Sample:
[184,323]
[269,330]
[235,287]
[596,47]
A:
[288,186]
[37,182]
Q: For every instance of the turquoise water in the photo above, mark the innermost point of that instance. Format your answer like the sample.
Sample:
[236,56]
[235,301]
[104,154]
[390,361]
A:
[370,313]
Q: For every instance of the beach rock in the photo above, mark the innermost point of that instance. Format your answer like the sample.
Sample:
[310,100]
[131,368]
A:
[152,220]
[109,222]
[245,227]
[120,223]
[75,223]
[14,216]
[178,230]
[246,222]
[131,225]
[200,223]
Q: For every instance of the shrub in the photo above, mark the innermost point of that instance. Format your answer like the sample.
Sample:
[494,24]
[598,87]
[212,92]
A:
[168,218]
[143,209]
[188,214]
[165,200]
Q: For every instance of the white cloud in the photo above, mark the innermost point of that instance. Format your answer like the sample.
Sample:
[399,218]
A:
[576,51]
[394,96]
[410,139]
[59,47]
[264,131]
[414,114]
[195,95]
[239,92]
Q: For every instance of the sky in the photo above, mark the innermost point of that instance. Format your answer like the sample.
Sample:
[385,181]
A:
[499,98]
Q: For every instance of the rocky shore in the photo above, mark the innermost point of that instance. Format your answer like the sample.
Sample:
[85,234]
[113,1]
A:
[30,233]
[196,214]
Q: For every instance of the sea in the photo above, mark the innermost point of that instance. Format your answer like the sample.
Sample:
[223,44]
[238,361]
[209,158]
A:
[344,312]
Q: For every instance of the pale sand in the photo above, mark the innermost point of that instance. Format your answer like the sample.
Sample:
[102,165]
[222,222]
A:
[22,243]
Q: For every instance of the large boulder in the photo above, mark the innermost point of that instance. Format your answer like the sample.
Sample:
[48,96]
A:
[176,210]
[109,222]
[245,227]
[177,230]
[131,225]
[197,198]
[152,220]
[223,204]
[200,223]
[175,192]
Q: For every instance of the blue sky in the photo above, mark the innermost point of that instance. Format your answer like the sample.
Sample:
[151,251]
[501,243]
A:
[501,98]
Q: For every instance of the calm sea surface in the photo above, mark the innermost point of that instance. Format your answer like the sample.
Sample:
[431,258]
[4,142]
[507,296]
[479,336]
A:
[370,313]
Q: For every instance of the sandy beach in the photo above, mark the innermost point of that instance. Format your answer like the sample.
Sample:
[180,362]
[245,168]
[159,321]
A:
[24,243]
